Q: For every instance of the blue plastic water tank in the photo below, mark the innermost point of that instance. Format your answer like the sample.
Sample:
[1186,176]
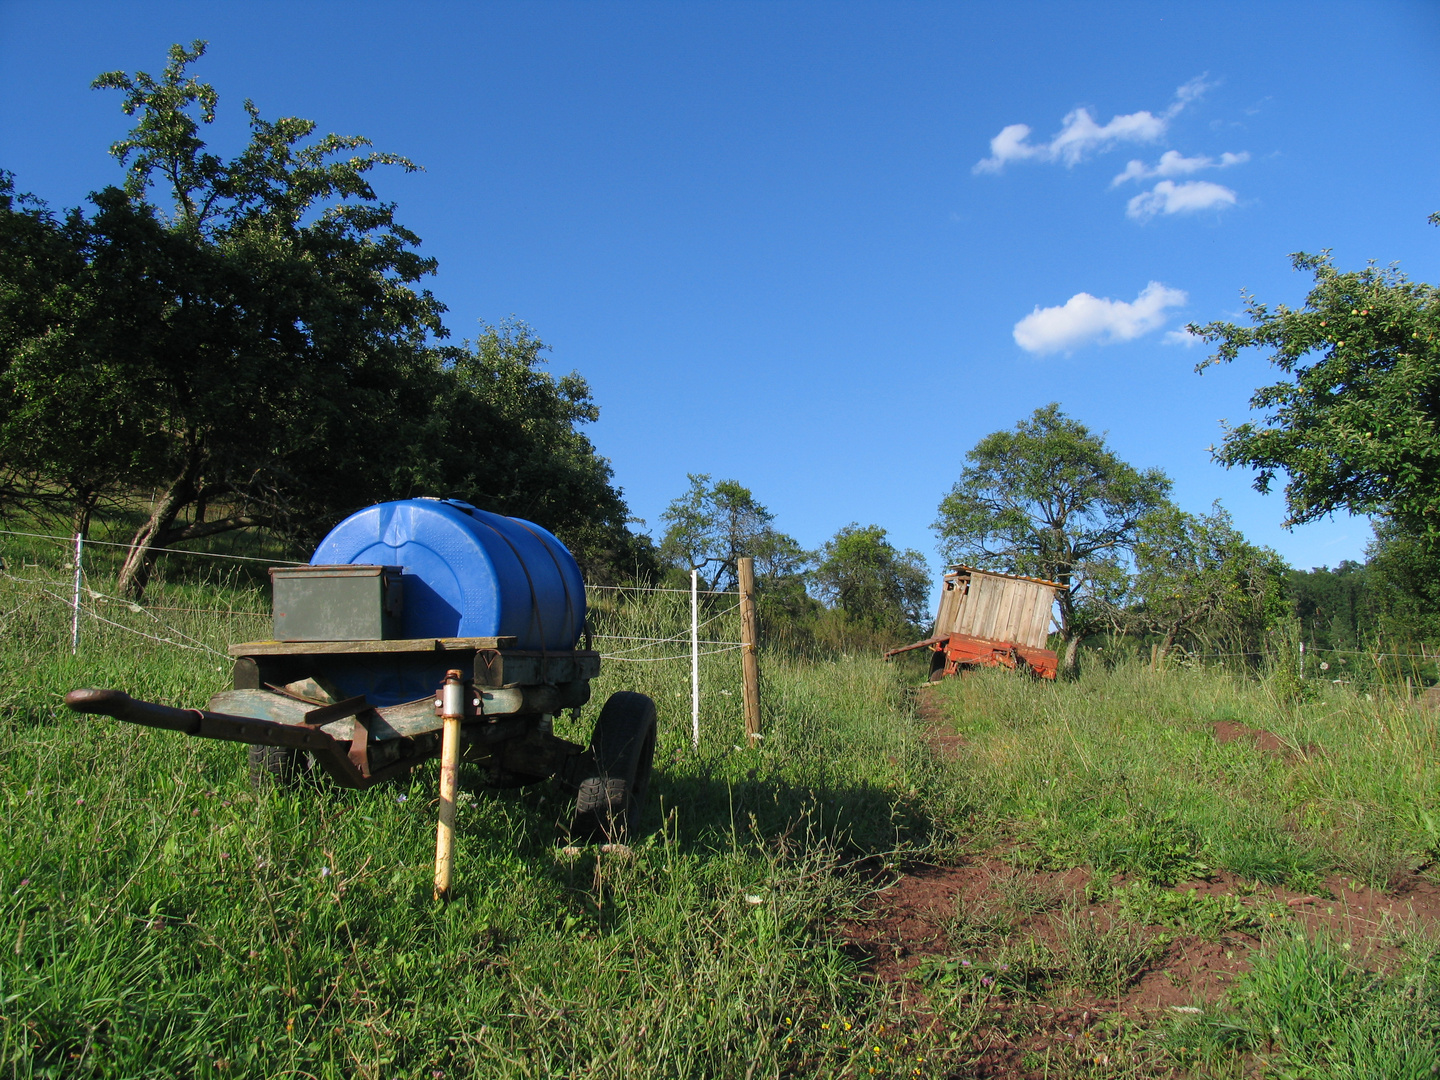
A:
[468,573]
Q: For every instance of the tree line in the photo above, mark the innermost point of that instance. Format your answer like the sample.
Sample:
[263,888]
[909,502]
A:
[248,343]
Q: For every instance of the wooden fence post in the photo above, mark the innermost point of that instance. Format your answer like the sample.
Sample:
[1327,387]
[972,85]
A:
[749,638]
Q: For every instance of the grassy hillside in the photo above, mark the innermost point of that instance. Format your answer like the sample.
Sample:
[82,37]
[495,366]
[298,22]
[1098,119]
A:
[162,919]
[1183,873]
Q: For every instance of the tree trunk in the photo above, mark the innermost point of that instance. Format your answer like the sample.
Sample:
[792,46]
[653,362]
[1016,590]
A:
[1163,650]
[140,559]
[84,510]
[1070,657]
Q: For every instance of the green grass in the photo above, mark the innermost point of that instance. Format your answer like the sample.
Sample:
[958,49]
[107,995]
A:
[161,919]
[1121,772]
[1310,1011]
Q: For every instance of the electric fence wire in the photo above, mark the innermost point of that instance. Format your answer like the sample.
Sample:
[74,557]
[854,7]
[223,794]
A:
[157,550]
[192,643]
[651,642]
[197,645]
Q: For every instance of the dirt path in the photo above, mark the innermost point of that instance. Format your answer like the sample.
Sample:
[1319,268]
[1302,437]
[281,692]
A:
[936,927]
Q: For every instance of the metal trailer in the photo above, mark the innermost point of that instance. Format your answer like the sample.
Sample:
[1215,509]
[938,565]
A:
[988,619]
[361,710]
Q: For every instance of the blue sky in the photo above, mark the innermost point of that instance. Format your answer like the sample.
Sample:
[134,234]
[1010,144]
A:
[782,240]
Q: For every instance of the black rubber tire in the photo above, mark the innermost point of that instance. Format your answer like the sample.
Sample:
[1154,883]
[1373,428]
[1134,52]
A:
[937,667]
[610,800]
[282,766]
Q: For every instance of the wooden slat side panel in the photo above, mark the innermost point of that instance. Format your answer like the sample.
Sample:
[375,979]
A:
[1040,624]
[982,620]
[985,598]
[965,610]
[1000,608]
[951,597]
[1007,626]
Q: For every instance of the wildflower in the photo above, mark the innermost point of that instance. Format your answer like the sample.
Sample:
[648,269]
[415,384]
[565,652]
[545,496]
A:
[847,1022]
[964,963]
[224,854]
[80,801]
[325,871]
[751,899]
[26,881]
[402,798]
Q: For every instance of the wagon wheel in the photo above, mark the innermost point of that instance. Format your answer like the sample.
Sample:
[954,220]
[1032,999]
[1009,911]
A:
[283,767]
[623,748]
[937,666]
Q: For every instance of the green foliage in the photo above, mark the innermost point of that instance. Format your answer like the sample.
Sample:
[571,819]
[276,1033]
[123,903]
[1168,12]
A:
[1337,609]
[1197,581]
[249,338]
[1354,428]
[713,525]
[874,584]
[1318,1014]
[1202,914]
[1403,572]
[1051,500]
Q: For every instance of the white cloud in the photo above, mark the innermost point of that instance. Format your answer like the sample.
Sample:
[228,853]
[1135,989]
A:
[1182,337]
[1085,319]
[1173,163]
[1080,134]
[1168,197]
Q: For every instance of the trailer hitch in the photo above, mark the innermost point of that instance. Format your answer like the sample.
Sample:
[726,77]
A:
[332,754]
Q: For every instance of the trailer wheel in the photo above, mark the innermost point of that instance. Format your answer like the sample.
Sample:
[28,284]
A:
[937,666]
[281,766]
[623,748]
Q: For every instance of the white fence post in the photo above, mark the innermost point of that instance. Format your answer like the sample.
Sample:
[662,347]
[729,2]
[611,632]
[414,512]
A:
[695,658]
[75,619]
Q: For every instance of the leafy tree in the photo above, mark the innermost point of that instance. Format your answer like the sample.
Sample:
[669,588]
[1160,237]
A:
[1197,580]
[1049,499]
[1354,427]
[873,583]
[50,459]
[505,436]
[1401,575]
[253,345]
[247,338]
[1336,609]
[711,526]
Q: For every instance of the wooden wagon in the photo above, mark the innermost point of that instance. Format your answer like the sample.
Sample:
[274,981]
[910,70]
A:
[988,619]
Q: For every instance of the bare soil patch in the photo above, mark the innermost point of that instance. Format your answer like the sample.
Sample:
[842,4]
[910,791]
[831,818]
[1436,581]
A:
[985,910]
[1267,742]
